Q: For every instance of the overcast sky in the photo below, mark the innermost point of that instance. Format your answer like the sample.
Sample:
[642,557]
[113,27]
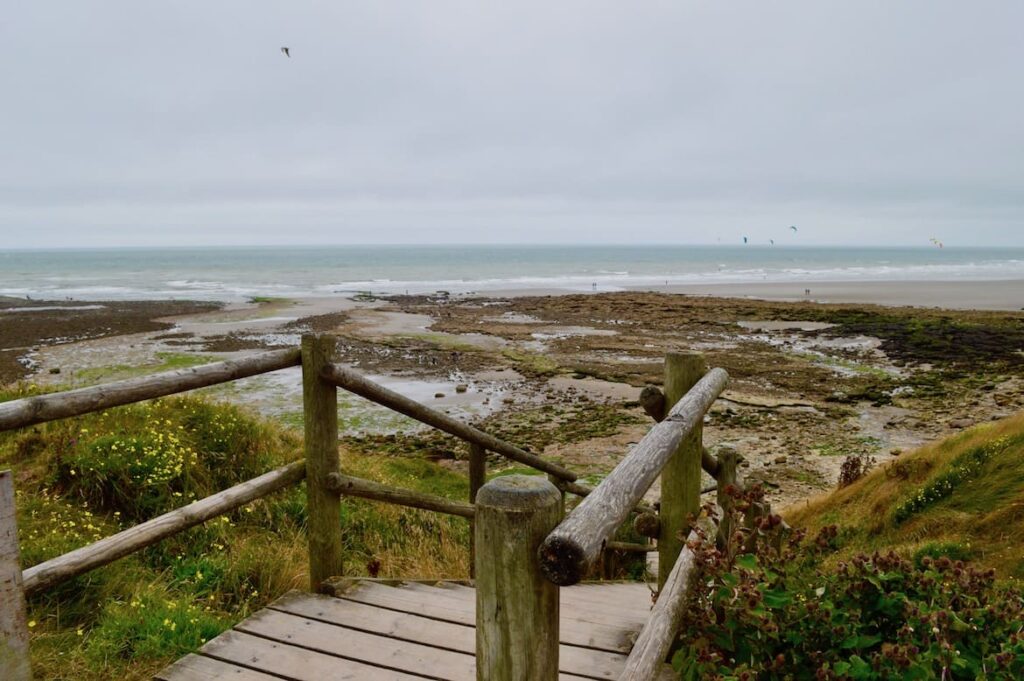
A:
[136,123]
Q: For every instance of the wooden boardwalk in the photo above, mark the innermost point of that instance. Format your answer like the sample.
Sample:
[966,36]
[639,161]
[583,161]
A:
[407,631]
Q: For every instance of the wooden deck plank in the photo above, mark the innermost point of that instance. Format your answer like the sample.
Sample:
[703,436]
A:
[294,663]
[586,603]
[596,664]
[403,632]
[353,644]
[198,668]
[576,629]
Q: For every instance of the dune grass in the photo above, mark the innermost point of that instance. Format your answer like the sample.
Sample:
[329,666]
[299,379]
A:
[962,497]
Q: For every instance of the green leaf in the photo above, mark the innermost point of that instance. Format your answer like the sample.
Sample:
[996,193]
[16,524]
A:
[777,599]
[867,641]
[916,672]
[859,668]
[747,561]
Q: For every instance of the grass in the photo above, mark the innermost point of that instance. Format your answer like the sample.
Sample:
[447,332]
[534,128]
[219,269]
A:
[81,479]
[166,361]
[965,493]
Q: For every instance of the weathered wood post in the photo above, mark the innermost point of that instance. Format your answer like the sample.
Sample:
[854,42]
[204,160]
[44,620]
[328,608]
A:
[680,479]
[477,478]
[516,607]
[726,483]
[14,660]
[320,413]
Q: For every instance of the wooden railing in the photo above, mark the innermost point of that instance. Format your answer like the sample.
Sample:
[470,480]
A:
[325,481]
[564,552]
[522,547]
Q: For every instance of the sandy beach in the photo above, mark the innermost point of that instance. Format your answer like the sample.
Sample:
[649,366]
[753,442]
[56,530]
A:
[1005,294]
[951,295]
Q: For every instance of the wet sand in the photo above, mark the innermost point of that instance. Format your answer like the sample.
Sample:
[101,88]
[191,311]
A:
[950,295]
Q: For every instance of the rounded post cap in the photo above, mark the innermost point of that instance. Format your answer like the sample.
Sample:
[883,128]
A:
[518,493]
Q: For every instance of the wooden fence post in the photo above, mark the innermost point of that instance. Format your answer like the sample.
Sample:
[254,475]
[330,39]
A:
[726,479]
[477,478]
[14,660]
[516,607]
[680,479]
[320,413]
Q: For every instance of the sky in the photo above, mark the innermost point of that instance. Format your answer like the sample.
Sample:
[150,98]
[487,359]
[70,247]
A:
[133,123]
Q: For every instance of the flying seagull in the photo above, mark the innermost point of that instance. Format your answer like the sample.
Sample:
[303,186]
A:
[793,227]
[286,52]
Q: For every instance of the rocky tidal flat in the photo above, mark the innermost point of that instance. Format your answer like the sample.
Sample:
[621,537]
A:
[812,384]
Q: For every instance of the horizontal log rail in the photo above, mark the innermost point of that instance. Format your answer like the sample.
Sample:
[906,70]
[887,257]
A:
[109,549]
[630,547]
[570,551]
[367,489]
[582,490]
[364,387]
[41,408]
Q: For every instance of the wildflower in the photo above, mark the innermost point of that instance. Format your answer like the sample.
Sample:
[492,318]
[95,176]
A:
[31,624]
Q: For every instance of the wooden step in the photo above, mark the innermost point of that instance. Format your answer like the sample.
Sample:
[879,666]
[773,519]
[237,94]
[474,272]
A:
[406,631]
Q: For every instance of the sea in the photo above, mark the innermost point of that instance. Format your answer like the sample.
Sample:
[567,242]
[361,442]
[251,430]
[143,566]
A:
[238,273]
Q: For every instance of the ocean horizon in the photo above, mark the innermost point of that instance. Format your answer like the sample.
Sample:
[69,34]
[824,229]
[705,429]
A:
[240,272]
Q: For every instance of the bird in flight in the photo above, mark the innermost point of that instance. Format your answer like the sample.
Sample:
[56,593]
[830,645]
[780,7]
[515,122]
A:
[744,239]
[286,52]
[793,227]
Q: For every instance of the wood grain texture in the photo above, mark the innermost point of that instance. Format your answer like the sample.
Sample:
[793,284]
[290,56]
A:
[372,648]
[477,479]
[647,659]
[106,550]
[367,489]
[578,628]
[294,662]
[320,415]
[517,621]
[727,483]
[42,408]
[14,660]
[680,479]
[355,383]
[569,552]
[199,668]
[415,628]
[653,402]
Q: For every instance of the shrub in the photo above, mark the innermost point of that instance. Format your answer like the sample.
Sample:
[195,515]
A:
[776,614]
[149,458]
[855,467]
